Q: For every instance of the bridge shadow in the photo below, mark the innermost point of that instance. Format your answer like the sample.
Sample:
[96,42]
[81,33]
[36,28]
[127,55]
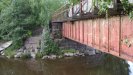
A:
[114,66]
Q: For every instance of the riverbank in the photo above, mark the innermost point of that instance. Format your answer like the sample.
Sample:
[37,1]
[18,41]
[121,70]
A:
[38,55]
[67,48]
[56,48]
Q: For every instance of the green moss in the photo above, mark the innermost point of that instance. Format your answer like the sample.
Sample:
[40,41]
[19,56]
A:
[69,51]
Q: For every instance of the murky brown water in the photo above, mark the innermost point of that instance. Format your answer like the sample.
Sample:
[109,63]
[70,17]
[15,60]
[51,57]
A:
[89,65]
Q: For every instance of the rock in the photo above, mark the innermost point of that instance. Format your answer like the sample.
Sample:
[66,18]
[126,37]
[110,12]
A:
[75,55]
[33,43]
[33,55]
[18,55]
[60,56]
[98,52]
[5,45]
[77,52]
[69,54]
[3,54]
[45,57]
[21,50]
[26,51]
[36,50]
[90,52]
[49,57]
[52,57]
[81,54]
[8,57]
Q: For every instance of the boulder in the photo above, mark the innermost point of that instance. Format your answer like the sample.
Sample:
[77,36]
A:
[45,57]
[33,55]
[18,55]
[52,57]
[21,49]
[3,54]
[69,54]
[90,52]
[60,56]
[81,54]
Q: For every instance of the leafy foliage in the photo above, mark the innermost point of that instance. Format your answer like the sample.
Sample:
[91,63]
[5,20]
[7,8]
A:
[74,1]
[4,4]
[48,46]
[39,55]
[17,21]
[18,18]
[104,6]
[128,8]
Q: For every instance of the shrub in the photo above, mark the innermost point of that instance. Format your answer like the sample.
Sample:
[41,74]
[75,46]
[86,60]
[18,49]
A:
[10,53]
[47,45]
[26,56]
[39,55]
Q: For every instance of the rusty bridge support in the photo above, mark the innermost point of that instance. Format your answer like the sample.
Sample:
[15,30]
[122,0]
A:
[113,35]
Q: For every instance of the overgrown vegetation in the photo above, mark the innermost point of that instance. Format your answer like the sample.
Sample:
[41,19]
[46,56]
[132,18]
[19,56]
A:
[103,6]
[128,8]
[74,1]
[39,55]
[18,18]
[10,53]
[26,55]
[48,46]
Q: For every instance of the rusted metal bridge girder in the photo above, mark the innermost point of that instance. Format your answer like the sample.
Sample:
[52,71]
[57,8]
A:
[113,35]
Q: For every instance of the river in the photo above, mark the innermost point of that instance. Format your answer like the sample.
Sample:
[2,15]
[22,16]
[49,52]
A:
[103,64]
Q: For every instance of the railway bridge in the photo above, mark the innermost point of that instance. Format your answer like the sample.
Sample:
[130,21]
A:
[81,23]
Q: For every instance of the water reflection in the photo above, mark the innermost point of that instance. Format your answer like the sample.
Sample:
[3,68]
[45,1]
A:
[114,66]
[89,65]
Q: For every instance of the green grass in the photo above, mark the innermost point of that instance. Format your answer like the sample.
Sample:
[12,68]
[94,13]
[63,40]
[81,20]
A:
[10,53]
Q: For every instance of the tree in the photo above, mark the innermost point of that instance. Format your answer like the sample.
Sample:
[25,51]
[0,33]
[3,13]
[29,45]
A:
[18,18]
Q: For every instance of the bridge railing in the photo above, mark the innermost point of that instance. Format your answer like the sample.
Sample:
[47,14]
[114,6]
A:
[61,13]
[68,11]
[73,11]
[84,7]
